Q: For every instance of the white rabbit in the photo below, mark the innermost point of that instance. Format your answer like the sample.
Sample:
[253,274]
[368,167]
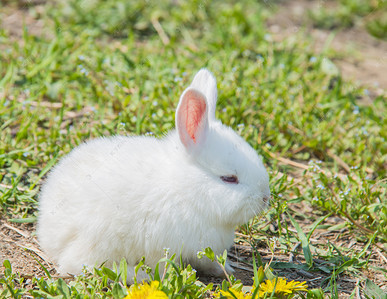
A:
[135,196]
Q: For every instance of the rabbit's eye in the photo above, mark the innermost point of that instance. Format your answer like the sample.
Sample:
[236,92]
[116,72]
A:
[231,179]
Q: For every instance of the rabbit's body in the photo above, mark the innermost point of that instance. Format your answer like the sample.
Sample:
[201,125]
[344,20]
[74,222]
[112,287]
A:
[135,196]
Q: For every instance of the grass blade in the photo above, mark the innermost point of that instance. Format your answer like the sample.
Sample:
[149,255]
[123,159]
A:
[304,241]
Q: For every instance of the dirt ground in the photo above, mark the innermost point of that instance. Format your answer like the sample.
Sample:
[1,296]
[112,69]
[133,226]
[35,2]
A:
[364,62]
[363,58]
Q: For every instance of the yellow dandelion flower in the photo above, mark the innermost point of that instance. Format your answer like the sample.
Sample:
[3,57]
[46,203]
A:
[282,287]
[145,290]
[237,294]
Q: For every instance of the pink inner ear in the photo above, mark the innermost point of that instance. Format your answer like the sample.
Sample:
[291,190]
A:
[193,109]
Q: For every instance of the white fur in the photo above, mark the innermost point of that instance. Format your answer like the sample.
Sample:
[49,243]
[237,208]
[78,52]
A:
[134,196]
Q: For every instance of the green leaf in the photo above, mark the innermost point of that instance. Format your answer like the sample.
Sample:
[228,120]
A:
[24,220]
[346,265]
[8,76]
[225,285]
[225,255]
[286,265]
[209,253]
[373,291]
[43,267]
[118,291]
[63,288]
[317,223]
[124,270]
[48,166]
[49,57]
[7,265]
[304,241]
[316,294]
[170,261]
[260,275]
[222,258]
[256,272]
[255,293]
[137,268]
[157,273]
[370,241]
[110,273]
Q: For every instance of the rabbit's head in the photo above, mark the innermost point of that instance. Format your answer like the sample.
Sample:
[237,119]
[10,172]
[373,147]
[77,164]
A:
[235,181]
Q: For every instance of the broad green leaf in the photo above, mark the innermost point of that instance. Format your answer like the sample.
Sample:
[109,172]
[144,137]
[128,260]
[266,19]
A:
[373,291]
[124,270]
[110,273]
[7,265]
[63,288]
[209,253]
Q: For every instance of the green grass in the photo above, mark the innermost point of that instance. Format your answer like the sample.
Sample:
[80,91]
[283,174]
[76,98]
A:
[102,69]
[344,14]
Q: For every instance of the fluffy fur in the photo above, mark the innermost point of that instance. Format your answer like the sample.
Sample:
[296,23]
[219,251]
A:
[134,196]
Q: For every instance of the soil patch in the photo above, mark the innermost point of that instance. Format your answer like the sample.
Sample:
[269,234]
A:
[363,58]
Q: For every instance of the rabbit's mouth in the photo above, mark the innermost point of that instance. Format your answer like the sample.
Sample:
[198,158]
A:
[256,205]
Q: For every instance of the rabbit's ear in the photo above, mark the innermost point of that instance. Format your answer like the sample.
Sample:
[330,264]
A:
[205,82]
[191,118]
